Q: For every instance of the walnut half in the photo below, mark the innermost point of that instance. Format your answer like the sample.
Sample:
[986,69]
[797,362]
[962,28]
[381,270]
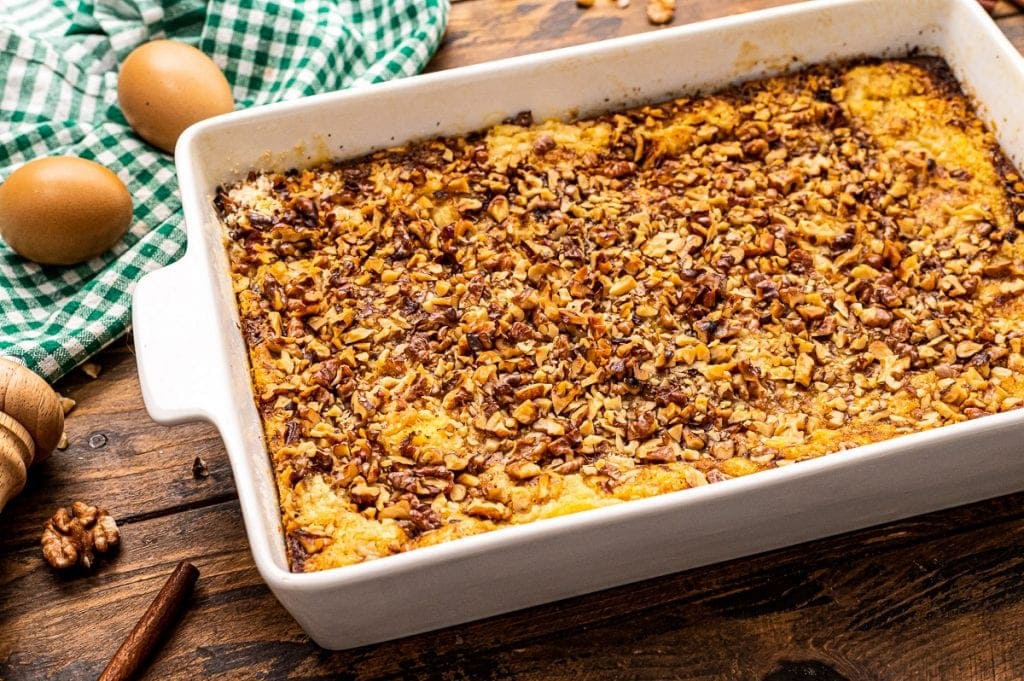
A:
[73,536]
[661,11]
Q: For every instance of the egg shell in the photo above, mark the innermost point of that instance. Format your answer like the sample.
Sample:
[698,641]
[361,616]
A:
[165,86]
[63,210]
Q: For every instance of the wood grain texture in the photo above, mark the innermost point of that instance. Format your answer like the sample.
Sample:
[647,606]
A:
[117,457]
[940,596]
[483,30]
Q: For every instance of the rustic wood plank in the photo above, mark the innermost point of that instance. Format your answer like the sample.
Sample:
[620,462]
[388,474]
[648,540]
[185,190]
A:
[481,31]
[40,607]
[1013,26]
[863,604]
[118,457]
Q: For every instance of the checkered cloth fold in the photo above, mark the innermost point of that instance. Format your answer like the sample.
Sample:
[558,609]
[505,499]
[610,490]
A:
[58,96]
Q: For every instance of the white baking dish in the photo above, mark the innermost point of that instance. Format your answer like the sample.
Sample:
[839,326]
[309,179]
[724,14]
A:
[192,360]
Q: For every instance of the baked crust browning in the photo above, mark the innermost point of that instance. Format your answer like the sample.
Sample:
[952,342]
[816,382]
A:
[470,332]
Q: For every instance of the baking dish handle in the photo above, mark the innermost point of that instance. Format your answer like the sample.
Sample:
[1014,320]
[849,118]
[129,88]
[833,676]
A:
[178,371]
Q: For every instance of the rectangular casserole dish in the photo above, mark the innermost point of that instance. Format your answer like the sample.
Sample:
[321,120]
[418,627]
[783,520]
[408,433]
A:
[193,364]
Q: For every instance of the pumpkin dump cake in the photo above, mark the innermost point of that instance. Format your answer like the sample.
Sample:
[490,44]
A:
[470,332]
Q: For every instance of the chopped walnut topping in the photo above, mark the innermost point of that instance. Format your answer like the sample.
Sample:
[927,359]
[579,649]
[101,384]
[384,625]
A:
[523,470]
[469,331]
[488,509]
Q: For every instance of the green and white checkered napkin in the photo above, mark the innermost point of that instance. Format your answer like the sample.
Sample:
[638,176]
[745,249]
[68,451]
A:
[58,97]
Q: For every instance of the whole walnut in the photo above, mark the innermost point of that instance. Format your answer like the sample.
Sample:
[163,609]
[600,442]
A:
[73,536]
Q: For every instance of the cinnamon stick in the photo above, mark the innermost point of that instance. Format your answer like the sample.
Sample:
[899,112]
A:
[151,630]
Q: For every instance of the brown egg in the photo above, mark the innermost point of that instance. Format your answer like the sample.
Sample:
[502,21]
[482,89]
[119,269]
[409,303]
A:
[63,210]
[165,86]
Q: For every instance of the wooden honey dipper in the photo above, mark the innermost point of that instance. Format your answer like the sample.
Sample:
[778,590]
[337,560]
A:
[31,423]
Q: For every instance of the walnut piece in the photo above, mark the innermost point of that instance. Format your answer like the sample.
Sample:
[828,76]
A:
[199,468]
[661,11]
[67,404]
[73,536]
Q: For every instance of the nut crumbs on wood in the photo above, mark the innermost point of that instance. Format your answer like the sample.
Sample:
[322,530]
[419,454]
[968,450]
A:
[661,11]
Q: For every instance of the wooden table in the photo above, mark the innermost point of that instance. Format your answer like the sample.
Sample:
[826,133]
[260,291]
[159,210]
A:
[935,597]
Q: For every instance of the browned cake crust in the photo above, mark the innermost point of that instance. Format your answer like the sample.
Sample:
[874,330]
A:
[470,332]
